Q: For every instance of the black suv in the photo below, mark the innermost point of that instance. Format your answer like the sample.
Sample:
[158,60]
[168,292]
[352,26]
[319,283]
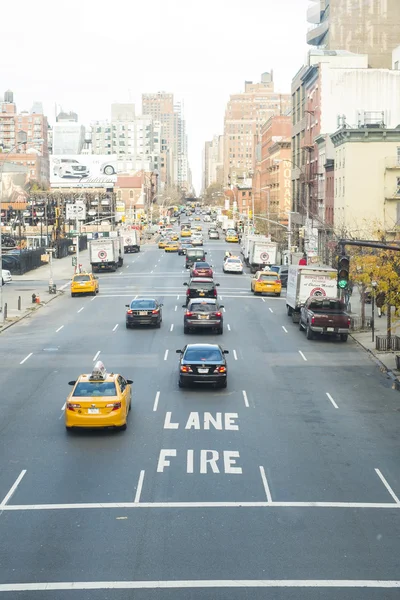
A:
[201,287]
[203,314]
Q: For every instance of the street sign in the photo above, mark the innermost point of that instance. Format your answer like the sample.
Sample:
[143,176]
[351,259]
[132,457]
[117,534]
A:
[76,211]
[74,261]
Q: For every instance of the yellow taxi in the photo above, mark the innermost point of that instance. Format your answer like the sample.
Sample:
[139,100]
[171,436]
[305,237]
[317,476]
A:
[172,247]
[84,283]
[266,282]
[162,243]
[197,219]
[98,399]
[186,233]
[175,237]
[199,228]
[231,237]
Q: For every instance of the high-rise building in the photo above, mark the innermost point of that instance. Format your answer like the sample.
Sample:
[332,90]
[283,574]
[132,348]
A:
[68,134]
[244,116]
[371,27]
[213,161]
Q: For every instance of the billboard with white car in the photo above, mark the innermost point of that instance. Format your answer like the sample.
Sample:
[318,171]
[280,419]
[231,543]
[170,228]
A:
[83,170]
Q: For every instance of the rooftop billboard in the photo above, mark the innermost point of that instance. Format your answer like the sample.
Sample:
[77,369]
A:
[14,187]
[83,170]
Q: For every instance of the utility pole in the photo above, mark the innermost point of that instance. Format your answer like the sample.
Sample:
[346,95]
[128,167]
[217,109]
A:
[78,270]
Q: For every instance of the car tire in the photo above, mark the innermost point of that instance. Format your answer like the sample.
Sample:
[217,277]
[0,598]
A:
[344,337]
[158,324]
[224,384]
[289,310]
[220,330]
[93,293]
[300,325]
[186,329]
[181,384]
[109,170]
[127,325]
[123,427]
[68,429]
[309,333]
[278,295]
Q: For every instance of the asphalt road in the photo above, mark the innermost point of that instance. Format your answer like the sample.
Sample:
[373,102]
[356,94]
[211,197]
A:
[284,486]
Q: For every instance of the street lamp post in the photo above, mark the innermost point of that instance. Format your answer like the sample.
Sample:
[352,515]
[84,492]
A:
[374,286]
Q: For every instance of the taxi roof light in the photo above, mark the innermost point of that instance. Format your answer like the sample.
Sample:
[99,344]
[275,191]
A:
[99,372]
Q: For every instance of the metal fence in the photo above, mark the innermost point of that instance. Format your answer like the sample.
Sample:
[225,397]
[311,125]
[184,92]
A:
[24,261]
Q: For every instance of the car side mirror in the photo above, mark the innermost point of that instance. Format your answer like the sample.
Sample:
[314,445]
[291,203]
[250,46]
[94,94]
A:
[226,351]
[205,252]
[179,351]
[183,305]
[126,305]
[71,382]
[216,284]
[161,304]
[129,381]
[185,283]
[221,306]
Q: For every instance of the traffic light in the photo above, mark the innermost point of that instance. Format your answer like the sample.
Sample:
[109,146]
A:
[343,275]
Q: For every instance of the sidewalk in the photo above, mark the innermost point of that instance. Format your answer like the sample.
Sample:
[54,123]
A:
[386,360]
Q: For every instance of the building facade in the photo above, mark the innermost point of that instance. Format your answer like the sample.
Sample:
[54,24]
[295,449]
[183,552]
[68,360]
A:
[367,182]
[371,27]
[244,116]
[213,161]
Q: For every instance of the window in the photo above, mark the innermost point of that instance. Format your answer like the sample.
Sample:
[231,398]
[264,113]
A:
[398,187]
[398,155]
[130,193]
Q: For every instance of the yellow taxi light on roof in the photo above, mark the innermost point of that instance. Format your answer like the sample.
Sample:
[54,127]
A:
[99,371]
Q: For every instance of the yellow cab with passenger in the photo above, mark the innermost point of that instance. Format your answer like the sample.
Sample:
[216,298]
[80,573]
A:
[84,283]
[231,237]
[186,233]
[266,282]
[98,399]
[172,247]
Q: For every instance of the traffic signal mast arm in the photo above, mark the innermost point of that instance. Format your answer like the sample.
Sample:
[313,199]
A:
[366,244]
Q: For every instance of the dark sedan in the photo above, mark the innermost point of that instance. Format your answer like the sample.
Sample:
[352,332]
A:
[203,314]
[144,311]
[183,246]
[282,270]
[203,363]
[201,287]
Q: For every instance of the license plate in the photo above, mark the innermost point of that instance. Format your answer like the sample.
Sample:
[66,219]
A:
[142,312]
[203,370]
[93,411]
[203,316]
[330,329]
[201,294]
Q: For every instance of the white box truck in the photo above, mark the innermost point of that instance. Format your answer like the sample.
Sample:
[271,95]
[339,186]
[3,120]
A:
[104,254]
[305,281]
[258,252]
[131,241]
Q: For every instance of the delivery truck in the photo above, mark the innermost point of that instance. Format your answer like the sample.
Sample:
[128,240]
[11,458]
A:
[131,241]
[258,252]
[305,281]
[104,254]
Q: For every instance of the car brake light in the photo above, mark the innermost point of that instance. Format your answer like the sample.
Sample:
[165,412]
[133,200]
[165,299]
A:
[72,406]
[215,292]
[187,292]
[114,405]
[189,314]
[277,281]
[186,369]
[155,312]
[348,321]
[218,314]
[220,370]
[312,320]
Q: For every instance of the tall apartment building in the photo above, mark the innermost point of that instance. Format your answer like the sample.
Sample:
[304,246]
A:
[213,161]
[370,27]
[244,116]
[68,135]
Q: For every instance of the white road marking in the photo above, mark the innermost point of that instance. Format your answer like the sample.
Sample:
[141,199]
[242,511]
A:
[224,309]
[332,400]
[201,584]
[94,298]
[12,489]
[302,355]
[64,286]
[270,309]
[96,355]
[59,329]
[246,400]
[263,299]
[177,297]
[126,266]
[121,272]
[26,358]
[139,487]
[176,308]
[172,327]
[115,327]
[229,327]
[168,505]
[151,271]
[387,486]
[265,484]
[234,355]
[284,329]
[63,406]
[80,310]
[220,297]
[156,401]
[166,355]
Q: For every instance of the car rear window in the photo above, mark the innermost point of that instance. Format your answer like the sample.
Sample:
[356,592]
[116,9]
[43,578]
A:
[203,354]
[143,304]
[268,276]
[326,305]
[95,388]
[200,285]
[201,265]
[202,307]
[233,260]
[194,254]
[81,278]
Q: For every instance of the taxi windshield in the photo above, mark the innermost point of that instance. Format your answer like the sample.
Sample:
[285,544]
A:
[95,388]
[81,278]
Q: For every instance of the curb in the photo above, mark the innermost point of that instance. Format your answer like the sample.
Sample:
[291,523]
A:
[29,314]
[383,368]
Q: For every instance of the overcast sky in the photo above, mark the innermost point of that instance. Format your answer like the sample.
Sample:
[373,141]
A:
[86,54]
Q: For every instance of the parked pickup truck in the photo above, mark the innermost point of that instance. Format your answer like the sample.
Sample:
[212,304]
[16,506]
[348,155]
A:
[324,316]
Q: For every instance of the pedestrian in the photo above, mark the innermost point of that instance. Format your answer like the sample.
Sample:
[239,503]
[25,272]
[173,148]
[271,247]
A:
[303,260]
[380,303]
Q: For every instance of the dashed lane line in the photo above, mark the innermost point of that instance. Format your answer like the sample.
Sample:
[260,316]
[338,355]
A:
[59,329]
[26,358]
[245,398]
[284,329]
[80,310]
[265,484]
[166,355]
[387,486]
[12,489]
[302,355]
[229,327]
[263,299]
[235,355]
[96,356]
[156,399]
[139,487]
[332,400]
[116,327]
[270,309]
[172,327]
